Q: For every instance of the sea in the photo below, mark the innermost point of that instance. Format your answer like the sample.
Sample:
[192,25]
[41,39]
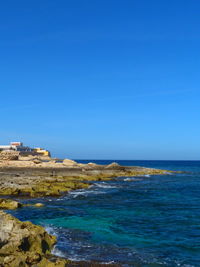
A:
[146,221]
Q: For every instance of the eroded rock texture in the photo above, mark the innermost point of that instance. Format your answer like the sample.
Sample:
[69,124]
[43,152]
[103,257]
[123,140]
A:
[9,155]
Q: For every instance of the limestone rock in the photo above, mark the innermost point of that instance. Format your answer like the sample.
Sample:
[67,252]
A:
[22,243]
[37,161]
[53,161]
[69,162]
[39,205]
[9,155]
[113,165]
[93,165]
[32,157]
[9,204]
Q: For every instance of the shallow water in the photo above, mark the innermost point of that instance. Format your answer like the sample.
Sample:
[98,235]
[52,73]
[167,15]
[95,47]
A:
[143,221]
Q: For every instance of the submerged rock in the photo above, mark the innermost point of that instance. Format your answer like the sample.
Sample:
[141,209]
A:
[39,205]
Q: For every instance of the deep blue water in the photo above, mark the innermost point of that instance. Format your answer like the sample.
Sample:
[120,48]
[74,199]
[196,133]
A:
[144,221]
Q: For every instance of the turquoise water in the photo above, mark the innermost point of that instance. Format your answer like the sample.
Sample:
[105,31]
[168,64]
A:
[143,221]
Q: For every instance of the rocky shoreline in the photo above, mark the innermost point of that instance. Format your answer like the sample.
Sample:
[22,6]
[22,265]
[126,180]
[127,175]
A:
[24,244]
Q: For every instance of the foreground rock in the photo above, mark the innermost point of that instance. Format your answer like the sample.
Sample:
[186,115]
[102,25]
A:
[23,244]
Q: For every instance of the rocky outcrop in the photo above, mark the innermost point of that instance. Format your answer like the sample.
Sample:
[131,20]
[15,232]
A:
[92,165]
[114,166]
[22,243]
[37,161]
[26,178]
[9,204]
[32,157]
[9,155]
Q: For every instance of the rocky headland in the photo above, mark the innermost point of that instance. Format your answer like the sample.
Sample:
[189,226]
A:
[34,177]
[24,244]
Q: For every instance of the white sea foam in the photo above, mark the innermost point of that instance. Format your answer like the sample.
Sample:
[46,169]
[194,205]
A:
[60,199]
[104,185]
[58,252]
[129,179]
[78,193]
[72,256]
[108,262]
[50,230]
[76,258]
[169,173]
[83,192]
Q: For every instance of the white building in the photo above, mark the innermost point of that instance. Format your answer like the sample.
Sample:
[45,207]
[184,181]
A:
[25,150]
[17,146]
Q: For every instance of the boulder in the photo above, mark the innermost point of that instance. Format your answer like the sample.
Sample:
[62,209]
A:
[69,162]
[93,165]
[114,166]
[9,204]
[39,205]
[37,161]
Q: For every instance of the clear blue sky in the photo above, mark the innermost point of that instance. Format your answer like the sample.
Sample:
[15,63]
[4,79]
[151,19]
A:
[102,79]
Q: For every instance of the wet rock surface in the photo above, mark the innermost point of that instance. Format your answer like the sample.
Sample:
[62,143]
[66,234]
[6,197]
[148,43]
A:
[9,204]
